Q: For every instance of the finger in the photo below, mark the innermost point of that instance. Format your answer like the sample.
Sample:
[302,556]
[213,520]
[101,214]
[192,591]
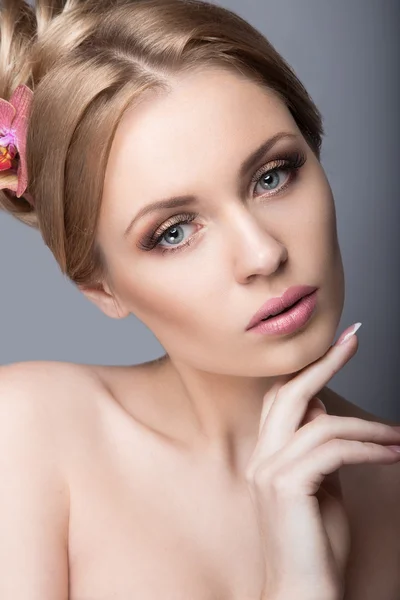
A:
[331,483]
[315,409]
[332,428]
[289,408]
[270,396]
[304,476]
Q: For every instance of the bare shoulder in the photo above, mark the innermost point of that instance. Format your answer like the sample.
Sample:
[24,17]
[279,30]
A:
[48,382]
[38,402]
[384,479]
[371,495]
[45,372]
[338,405]
[52,394]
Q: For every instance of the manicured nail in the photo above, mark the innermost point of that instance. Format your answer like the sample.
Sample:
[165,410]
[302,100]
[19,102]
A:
[348,333]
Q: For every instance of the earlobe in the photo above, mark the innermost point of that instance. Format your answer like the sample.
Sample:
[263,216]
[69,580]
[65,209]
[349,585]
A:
[105,301]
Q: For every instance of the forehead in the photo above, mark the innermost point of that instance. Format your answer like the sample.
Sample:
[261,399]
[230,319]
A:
[202,106]
[209,119]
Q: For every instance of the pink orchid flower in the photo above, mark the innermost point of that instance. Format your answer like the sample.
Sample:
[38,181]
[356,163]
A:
[13,131]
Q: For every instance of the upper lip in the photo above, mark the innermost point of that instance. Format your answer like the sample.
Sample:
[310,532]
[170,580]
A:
[277,305]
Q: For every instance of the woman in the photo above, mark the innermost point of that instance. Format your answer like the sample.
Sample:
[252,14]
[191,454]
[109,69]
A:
[174,172]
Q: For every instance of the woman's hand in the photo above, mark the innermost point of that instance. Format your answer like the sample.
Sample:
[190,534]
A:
[294,484]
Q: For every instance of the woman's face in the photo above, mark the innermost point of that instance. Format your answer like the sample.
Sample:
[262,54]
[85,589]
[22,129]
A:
[248,236]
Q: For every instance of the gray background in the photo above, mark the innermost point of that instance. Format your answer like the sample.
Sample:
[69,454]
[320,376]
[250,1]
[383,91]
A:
[346,52]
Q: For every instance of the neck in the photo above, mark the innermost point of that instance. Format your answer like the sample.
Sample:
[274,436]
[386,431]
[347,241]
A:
[218,415]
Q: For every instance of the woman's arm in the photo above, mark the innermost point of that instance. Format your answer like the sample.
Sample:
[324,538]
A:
[34,498]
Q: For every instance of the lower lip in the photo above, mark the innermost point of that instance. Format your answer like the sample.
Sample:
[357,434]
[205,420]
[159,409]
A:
[290,320]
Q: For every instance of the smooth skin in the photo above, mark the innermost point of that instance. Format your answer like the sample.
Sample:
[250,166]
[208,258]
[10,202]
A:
[104,502]
[303,521]
[131,482]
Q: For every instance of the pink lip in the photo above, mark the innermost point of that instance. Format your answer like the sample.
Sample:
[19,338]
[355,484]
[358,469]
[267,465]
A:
[275,305]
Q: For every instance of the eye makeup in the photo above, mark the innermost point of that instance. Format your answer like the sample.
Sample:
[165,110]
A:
[288,161]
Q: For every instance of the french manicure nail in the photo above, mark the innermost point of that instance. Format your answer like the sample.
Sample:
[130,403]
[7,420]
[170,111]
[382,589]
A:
[348,333]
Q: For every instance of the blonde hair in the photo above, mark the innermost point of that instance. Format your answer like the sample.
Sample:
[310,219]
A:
[87,61]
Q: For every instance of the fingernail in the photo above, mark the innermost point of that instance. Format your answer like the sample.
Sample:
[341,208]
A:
[348,333]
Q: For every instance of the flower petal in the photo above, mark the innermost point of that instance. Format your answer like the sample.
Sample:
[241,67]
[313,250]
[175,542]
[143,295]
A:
[7,114]
[21,100]
[5,164]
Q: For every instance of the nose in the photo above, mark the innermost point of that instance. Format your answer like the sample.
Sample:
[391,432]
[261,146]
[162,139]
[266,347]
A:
[254,249]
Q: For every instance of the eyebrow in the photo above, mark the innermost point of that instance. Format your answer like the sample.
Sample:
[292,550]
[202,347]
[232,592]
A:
[186,200]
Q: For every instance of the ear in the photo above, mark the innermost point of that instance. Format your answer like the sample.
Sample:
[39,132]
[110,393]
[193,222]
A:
[105,300]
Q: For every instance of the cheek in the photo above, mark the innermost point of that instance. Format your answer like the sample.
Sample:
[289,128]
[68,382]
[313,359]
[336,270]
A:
[313,229]
[309,233]
[166,296]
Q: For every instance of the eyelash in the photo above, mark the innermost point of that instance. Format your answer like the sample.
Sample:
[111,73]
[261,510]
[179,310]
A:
[290,162]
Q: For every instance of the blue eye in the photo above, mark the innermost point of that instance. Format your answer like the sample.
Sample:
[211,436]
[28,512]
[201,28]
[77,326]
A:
[289,163]
[270,176]
[173,224]
[172,230]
